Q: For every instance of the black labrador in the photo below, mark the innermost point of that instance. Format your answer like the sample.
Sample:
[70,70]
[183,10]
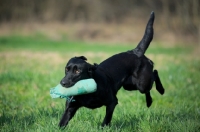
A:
[131,69]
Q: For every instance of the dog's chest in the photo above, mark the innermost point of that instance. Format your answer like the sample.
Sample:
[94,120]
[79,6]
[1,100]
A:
[91,103]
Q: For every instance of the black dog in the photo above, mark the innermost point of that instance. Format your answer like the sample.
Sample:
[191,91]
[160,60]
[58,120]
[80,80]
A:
[131,69]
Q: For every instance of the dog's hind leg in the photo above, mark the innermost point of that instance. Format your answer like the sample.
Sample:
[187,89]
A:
[130,85]
[159,85]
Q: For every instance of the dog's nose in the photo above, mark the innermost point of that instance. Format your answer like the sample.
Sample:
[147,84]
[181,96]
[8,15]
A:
[63,83]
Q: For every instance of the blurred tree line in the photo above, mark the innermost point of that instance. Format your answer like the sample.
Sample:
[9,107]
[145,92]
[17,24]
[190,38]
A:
[182,14]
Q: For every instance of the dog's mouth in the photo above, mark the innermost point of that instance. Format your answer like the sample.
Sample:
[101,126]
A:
[70,85]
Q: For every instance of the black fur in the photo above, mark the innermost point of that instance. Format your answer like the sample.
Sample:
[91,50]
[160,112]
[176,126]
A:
[131,69]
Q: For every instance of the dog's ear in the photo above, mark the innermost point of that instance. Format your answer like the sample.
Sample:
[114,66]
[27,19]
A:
[92,68]
[82,57]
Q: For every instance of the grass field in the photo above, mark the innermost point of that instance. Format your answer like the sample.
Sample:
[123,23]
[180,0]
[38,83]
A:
[30,66]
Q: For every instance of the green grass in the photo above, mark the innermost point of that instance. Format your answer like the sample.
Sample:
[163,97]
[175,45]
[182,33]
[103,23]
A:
[30,66]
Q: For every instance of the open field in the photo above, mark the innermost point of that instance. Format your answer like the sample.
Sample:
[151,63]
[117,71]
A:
[30,66]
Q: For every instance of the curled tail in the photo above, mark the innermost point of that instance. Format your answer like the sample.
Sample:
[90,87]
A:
[148,36]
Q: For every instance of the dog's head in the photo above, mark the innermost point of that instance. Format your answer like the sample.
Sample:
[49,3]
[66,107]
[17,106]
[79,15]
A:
[77,69]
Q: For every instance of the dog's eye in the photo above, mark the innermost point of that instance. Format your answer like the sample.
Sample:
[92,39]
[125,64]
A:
[66,69]
[77,71]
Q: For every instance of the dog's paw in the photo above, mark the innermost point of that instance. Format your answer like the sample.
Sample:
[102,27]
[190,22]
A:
[160,88]
[62,124]
[104,125]
[162,91]
[149,101]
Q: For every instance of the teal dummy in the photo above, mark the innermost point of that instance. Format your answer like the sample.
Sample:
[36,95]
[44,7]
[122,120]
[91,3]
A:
[81,87]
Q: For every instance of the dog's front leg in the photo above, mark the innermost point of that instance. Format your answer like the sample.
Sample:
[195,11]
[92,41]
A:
[71,108]
[109,112]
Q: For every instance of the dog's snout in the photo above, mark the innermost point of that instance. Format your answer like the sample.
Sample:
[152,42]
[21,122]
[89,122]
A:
[66,83]
[63,83]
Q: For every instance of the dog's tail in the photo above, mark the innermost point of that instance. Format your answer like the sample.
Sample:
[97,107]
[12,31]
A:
[148,36]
